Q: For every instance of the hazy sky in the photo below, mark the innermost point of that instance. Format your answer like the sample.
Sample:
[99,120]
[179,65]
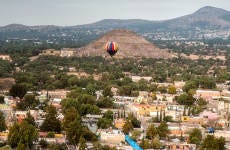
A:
[75,12]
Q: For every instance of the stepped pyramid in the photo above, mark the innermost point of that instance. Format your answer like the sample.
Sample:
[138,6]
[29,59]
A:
[130,45]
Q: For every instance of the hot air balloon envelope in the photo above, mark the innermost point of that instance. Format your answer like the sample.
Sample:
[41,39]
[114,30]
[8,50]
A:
[111,48]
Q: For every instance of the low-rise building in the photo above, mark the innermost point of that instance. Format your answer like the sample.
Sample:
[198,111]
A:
[67,52]
[140,110]
[114,137]
[225,134]
[51,52]
[179,84]
[182,129]
[207,94]
[194,120]
[177,145]
[72,69]
[59,93]
[138,78]
[209,115]
[3,136]
[165,97]
[119,123]
[5,57]
[176,111]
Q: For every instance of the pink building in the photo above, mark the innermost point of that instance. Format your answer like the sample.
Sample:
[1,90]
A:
[208,114]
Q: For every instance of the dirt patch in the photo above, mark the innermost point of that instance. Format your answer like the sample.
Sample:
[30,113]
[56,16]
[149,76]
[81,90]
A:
[6,83]
[206,57]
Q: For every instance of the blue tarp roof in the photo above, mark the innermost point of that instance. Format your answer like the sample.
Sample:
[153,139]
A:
[211,130]
[132,143]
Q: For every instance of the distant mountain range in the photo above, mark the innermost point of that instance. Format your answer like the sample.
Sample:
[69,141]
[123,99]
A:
[208,22]
[205,18]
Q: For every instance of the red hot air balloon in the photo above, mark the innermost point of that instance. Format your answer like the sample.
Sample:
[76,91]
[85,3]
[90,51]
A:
[111,48]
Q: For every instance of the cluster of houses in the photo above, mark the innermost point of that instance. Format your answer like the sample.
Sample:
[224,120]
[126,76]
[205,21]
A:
[64,52]
[216,115]
[144,109]
[12,115]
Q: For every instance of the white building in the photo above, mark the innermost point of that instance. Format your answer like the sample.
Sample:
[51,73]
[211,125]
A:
[137,78]
[66,52]
[5,57]
[112,137]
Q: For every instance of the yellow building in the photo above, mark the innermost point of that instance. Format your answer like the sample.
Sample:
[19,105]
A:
[119,123]
[194,120]
[140,110]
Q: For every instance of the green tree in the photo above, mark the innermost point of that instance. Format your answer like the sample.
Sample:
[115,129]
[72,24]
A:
[22,135]
[72,122]
[70,102]
[207,82]
[154,96]
[18,90]
[43,143]
[74,131]
[104,123]
[70,114]
[212,143]
[221,143]
[88,135]
[30,101]
[51,123]
[108,115]
[162,89]
[14,136]
[107,91]
[127,127]
[29,119]
[6,147]
[2,122]
[172,89]
[135,134]
[51,134]
[162,130]
[91,89]
[185,99]
[2,99]
[125,90]
[21,146]
[89,109]
[168,119]
[195,136]
[57,146]
[98,146]
[145,144]
[28,134]
[82,143]
[105,102]
[155,143]
[86,99]
[201,105]
[190,85]
[151,132]
[136,123]
[6,68]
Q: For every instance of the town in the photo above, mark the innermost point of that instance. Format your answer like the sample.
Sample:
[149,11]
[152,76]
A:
[86,104]
[114,75]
